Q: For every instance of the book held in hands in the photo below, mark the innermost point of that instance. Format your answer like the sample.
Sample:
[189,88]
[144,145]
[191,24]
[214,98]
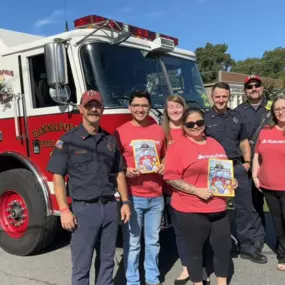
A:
[220,177]
[145,155]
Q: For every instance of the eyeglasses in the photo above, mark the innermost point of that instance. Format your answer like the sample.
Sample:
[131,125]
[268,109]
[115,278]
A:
[191,125]
[278,110]
[138,106]
[256,85]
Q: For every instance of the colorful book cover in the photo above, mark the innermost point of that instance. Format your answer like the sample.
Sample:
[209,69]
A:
[145,155]
[220,177]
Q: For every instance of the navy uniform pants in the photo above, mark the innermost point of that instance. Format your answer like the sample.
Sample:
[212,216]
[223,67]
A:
[244,210]
[258,214]
[92,219]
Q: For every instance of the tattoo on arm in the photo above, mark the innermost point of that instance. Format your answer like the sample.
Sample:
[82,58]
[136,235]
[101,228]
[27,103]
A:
[182,186]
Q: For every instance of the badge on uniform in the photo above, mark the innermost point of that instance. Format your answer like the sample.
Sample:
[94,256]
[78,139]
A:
[80,151]
[110,146]
[59,144]
[235,119]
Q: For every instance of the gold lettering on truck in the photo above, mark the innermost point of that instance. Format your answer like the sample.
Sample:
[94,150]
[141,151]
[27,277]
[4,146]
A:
[52,128]
[47,128]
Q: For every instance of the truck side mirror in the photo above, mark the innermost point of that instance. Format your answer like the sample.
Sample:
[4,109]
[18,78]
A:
[56,68]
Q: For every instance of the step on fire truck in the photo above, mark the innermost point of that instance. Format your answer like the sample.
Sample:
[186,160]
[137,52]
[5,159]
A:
[41,82]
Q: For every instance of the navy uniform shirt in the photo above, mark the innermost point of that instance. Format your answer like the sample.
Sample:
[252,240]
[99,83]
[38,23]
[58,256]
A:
[228,129]
[90,161]
[251,116]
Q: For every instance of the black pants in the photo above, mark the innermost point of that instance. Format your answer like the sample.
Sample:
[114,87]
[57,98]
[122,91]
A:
[197,229]
[276,203]
[93,219]
[180,241]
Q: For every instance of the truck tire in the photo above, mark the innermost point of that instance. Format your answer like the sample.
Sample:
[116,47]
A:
[25,227]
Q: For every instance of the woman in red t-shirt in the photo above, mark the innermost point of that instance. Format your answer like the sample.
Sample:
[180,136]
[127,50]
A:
[172,124]
[200,216]
[268,172]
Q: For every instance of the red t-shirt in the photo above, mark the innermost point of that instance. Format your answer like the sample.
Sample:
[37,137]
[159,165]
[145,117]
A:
[271,147]
[188,161]
[148,184]
[176,135]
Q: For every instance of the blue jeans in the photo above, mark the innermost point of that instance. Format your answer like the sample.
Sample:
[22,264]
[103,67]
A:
[147,213]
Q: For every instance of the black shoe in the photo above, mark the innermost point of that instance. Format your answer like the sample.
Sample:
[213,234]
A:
[181,281]
[206,282]
[254,257]
[259,245]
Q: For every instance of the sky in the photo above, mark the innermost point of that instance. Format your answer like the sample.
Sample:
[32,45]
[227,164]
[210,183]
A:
[249,27]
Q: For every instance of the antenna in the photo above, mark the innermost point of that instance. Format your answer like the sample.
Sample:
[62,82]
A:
[66,23]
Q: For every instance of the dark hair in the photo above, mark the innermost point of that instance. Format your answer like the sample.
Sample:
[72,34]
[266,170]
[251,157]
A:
[190,111]
[221,85]
[140,94]
[273,116]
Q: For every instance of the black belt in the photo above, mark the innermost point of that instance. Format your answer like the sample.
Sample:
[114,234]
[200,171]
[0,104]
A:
[236,160]
[101,200]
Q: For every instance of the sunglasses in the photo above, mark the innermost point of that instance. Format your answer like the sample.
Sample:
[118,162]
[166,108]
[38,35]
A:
[191,125]
[256,85]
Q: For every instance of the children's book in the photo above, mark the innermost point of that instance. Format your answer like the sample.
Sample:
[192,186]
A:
[220,177]
[145,155]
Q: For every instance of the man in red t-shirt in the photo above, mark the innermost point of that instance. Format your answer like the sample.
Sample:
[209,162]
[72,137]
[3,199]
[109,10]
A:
[142,144]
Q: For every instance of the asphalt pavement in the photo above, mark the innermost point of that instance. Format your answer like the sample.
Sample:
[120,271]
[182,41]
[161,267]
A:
[53,266]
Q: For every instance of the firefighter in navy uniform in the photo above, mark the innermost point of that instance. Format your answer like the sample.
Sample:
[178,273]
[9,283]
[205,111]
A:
[95,168]
[255,113]
[226,126]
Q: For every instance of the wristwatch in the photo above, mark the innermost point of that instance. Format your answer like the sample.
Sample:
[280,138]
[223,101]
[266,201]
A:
[247,161]
[127,202]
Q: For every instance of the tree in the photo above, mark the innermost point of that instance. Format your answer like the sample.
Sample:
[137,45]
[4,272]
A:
[211,59]
[248,66]
[272,65]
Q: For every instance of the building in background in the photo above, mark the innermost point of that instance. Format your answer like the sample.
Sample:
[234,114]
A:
[235,80]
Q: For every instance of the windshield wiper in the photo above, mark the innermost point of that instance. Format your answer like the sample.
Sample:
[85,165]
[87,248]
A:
[123,35]
[189,102]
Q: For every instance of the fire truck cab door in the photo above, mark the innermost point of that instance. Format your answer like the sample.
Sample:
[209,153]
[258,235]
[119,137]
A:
[47,120]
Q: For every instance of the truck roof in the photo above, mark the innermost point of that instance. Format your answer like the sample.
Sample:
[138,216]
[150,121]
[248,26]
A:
[15,42]
[10,39]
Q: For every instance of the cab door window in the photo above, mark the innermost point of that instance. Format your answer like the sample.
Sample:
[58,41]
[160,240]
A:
[39,85]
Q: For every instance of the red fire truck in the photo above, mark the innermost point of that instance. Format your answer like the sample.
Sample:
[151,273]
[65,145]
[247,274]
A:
[41,81]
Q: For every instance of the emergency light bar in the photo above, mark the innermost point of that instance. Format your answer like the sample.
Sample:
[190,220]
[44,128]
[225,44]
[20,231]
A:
[91,20]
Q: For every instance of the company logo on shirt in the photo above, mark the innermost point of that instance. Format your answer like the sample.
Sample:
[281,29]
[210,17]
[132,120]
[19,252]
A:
[156,142]
[273,141]
[206,156]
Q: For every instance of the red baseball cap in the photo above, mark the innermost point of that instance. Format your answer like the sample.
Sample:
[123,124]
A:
[252,77]
[91,95]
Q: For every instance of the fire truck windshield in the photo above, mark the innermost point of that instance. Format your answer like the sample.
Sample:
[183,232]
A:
[117,71]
